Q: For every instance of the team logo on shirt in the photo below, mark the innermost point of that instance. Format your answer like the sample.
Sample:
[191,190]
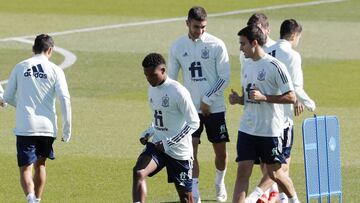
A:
[261,75]
[37,72]
[205,53]
[165,101]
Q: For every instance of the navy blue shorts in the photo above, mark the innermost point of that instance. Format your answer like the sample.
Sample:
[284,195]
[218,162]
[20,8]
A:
[178,171]
[215,126]
[29,148]
[268,149]
[288,140]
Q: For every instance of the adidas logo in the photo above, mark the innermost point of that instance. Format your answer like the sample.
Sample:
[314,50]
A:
[185,54]
[37,72]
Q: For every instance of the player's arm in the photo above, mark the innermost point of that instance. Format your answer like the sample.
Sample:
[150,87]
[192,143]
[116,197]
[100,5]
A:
[187,108]
[298,81]
[61,89]
[147,134]
[223,69]
[173,64]
[11,87]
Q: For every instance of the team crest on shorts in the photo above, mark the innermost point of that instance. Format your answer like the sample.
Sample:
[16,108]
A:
[261,75]
[205,53]
[165,101]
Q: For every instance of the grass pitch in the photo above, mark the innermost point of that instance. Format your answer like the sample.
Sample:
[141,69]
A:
[108,90]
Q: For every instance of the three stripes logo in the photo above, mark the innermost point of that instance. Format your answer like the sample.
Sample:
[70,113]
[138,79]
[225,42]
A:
[37,72]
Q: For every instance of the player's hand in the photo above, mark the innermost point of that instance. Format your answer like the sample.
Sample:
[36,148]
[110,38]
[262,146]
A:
[159,146]
[205,109]
[256,95]
[298,108]
[144,140]
[234,97]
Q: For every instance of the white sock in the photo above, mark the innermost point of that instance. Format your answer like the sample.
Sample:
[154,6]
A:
[136,202]
[195,187]
[283,198]
[220,177]
[294,199]
[255,195]
[38,200]
[31,198]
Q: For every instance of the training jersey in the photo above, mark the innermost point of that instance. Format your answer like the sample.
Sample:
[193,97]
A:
[32,87]
[174,118]
[205,69]
[270,77]
[283,51]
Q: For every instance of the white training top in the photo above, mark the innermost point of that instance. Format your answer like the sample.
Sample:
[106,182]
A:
[270,76]
[175,118]
[205,67]
[32,87]
[1,93]
[283,51]
[269,42]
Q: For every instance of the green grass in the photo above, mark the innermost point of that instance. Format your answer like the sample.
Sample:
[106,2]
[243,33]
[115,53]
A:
[108,90]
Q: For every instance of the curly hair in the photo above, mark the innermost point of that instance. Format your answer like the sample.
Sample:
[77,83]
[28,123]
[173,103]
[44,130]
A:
[152,60]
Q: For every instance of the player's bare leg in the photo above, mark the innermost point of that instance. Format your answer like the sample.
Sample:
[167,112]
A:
[241,187]
[184,196]
[284,182]
[286,167]
[144,166]
[221,160]
[39,177]
[195,171]
[27,183]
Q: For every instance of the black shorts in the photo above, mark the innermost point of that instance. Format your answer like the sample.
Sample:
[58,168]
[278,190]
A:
[288,140]
[215,126]
[268,149]
[29,148]
[178,171]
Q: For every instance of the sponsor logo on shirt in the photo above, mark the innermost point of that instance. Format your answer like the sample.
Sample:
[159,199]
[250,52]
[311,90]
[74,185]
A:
[196,72]
[36,71]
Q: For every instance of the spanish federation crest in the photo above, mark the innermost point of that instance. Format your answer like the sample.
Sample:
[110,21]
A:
[205,53]
[261,75]
[165,101]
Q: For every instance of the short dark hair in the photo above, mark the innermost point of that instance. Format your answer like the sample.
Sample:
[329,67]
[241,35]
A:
[42,43]
[253,32]
[197,13]
[289,27]
[152,60]
[259,18]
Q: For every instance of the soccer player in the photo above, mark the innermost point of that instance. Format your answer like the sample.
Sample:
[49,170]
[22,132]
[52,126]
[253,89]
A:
[175,119]
[290,34]
[204,62]
[32,87]
[261,20]
[2,102]
[266,85]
